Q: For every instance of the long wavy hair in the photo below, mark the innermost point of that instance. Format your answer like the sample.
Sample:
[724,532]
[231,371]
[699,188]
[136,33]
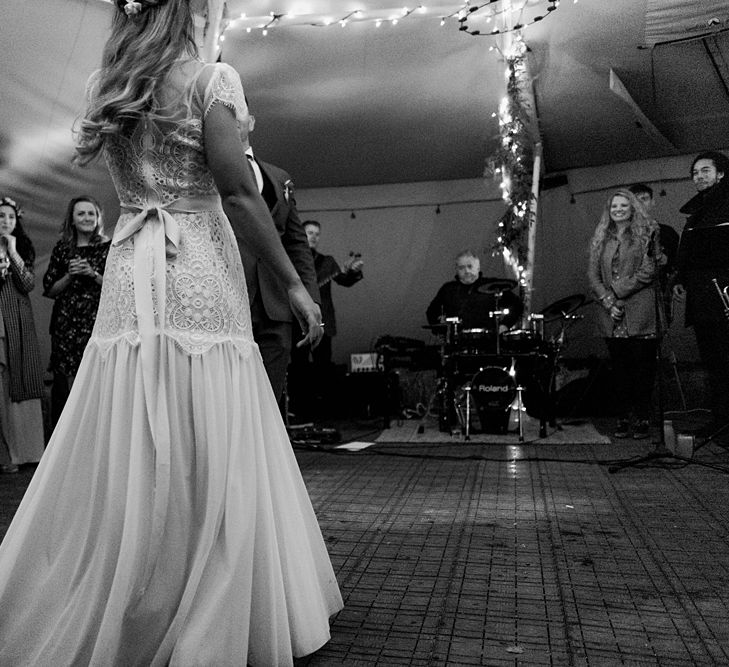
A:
[137,57]
[68,229]
[640,230]
[22,241]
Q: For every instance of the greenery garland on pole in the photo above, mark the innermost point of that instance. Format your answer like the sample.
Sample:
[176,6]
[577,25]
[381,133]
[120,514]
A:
[514,161]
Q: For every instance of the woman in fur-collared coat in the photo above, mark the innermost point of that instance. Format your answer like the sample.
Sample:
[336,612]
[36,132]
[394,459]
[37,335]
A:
[623,278]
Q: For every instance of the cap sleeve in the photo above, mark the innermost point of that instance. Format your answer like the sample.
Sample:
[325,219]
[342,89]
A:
[224,87]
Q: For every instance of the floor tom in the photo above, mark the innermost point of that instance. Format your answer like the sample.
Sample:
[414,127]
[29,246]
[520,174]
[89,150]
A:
[520,341]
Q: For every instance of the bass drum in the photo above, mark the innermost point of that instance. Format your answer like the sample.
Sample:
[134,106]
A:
[493,390]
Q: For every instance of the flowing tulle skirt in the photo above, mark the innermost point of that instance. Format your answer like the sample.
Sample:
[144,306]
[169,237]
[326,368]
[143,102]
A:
[229,569]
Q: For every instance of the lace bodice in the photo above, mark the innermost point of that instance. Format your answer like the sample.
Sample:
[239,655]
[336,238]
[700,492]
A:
[163,160]
[162,164]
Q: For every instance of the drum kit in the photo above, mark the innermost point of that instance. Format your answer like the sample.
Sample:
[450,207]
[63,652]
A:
[487,376]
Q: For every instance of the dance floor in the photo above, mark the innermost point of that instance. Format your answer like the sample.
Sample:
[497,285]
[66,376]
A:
[458,553]
[536,554]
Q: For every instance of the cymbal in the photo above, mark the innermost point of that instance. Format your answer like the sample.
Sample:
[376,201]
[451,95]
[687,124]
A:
[435,327]
[500,285]
[563,307]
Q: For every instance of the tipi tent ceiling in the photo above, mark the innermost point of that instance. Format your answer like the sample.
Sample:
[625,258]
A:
[361,104]
[412,102]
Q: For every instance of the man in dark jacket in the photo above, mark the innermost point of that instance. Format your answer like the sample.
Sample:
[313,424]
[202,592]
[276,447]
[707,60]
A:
[703,256]
[469,298]
[270,311]
[311,381]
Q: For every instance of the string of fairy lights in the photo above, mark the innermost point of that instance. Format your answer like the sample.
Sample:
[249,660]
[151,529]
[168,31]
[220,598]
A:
[513,163]
[487,18]
[513,160]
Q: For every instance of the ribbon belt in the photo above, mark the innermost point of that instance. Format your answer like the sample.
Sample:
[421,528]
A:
[156,237]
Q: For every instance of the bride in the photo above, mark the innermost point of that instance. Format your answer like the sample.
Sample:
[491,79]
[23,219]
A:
[168,523]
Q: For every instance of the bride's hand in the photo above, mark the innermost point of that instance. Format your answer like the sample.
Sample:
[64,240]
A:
[308,314]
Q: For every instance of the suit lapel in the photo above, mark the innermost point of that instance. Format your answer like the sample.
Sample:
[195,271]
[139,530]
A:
[272,190]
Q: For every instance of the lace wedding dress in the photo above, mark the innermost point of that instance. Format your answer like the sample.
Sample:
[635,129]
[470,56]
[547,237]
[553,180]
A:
[168,523]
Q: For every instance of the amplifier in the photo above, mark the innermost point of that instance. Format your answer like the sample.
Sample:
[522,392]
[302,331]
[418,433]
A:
[364,362]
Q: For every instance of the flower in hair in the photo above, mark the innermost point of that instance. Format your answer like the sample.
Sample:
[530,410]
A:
[7,201]
[132,8]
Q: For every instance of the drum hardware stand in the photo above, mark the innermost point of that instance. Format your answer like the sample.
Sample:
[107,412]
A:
[559,343]
[519,406]
[495,314]
[439,388]
[467,431]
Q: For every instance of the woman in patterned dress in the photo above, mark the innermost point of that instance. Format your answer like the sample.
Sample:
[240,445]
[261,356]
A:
[73,279]
[168,522]
[21,377]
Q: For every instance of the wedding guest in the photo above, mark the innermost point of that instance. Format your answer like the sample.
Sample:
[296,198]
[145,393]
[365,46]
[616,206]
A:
[311,380]
[703,257]
[668,238]
[623,276]
[21,376]
[73,279]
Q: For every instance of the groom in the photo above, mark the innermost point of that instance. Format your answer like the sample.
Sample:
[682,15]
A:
[270,312]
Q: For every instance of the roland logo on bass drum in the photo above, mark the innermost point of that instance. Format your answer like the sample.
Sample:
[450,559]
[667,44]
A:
[493,388]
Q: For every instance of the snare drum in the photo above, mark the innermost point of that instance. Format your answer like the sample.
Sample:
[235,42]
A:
[476,341]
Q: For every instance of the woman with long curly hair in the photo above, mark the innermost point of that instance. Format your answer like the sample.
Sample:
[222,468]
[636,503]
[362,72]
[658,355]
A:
[168,522]
[622,274]
[21,375]
[73,280]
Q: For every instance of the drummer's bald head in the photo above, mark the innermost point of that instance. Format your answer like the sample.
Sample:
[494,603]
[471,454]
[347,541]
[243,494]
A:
[467,253]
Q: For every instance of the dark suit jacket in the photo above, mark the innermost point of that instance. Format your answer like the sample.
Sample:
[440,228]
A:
[703,254]
[279,195]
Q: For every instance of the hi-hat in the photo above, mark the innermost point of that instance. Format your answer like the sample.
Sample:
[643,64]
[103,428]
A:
[563,307]
[500,285]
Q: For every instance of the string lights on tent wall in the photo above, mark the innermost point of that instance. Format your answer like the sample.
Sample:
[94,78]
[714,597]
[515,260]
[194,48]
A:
[488,18]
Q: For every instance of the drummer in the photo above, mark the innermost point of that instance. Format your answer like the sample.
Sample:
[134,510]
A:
[473,298]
